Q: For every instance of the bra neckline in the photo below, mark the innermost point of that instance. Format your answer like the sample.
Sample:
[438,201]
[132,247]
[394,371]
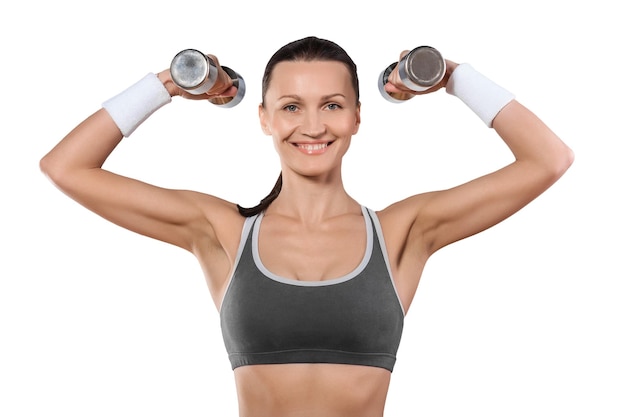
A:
[333,281]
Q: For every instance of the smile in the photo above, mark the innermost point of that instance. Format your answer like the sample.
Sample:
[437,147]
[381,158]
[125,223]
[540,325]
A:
[313,148]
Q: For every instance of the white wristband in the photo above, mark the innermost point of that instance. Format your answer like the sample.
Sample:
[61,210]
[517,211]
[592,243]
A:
[479,93]
[134,105]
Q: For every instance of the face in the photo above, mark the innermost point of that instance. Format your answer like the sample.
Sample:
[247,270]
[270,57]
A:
[311,112]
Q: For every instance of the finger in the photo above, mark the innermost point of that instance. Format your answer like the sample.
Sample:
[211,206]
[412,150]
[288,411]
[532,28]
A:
[214,59]
[229,92]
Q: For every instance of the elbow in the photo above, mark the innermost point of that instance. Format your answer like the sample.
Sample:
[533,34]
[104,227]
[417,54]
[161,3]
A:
[560,162]
[565,161]
[48,168]
[53,170]
[44,165]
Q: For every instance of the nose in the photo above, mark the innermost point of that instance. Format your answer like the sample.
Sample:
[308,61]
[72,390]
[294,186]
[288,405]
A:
[313,125]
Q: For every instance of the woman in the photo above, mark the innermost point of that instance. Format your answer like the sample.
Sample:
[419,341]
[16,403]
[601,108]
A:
[312,288]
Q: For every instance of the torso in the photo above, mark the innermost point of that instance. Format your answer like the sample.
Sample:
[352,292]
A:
[312,389]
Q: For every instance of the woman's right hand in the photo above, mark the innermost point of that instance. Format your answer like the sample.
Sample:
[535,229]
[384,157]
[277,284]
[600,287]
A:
[223,87]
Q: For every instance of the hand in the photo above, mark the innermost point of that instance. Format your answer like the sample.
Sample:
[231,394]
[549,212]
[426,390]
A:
[398,89]
[222,89]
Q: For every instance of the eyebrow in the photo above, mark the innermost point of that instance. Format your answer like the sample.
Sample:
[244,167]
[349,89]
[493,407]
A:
[297,97]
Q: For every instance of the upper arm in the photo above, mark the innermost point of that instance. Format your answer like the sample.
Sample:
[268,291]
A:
[178,217]
[181,218]
[436,219]
[454,214]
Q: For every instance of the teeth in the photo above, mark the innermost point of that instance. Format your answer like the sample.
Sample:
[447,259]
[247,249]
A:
[313,146]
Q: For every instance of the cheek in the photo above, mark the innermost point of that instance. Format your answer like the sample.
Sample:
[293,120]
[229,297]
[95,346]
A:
[346,126]
[281,126]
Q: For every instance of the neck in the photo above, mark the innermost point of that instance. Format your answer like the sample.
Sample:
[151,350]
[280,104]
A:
[313,199]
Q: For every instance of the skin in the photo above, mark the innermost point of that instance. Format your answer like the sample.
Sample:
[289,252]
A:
[313,217]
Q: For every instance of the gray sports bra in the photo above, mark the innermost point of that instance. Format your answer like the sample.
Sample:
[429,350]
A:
[355,319]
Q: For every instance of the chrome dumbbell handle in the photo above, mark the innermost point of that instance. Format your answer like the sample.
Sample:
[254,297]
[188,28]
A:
[419,70]
[196,73]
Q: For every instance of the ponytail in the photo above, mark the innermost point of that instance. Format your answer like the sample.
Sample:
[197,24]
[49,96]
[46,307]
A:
[264,204]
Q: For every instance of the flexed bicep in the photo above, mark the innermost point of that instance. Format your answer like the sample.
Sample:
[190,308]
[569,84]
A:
[74,165]
[541,158]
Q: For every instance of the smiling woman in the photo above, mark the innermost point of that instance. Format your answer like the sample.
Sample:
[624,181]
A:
[304,122]
[320,53]
[311,286]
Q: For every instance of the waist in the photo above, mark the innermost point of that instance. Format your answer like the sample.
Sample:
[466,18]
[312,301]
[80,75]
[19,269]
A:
[327,390]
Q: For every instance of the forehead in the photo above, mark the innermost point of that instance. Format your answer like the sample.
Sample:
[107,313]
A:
[304,78]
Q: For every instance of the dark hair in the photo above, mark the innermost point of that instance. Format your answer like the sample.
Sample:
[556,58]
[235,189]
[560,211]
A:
[307,49]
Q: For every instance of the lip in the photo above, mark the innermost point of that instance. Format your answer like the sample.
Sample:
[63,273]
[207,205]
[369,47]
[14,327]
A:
[312,148]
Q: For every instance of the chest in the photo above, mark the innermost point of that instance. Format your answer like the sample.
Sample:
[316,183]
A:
[312,254]
[350,318]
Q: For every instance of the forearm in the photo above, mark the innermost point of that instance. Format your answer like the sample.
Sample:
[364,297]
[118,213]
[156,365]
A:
[529,139]
[89,144]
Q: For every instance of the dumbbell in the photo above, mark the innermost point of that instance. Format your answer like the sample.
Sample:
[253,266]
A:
[196,73]
[419,70]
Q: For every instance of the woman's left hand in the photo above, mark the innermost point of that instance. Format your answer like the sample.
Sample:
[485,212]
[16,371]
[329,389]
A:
[395,86]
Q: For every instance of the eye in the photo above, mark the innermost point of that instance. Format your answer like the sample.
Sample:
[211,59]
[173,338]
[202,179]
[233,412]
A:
[333,106]
[291,108]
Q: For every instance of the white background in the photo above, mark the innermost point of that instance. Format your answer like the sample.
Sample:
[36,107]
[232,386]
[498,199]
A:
[526,319]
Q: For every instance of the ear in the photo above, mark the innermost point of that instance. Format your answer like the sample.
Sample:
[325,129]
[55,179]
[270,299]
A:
[357,120]
[264,121]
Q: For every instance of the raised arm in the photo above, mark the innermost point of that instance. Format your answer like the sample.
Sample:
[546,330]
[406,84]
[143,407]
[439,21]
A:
[541,158]
[425,223]
[75,165]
